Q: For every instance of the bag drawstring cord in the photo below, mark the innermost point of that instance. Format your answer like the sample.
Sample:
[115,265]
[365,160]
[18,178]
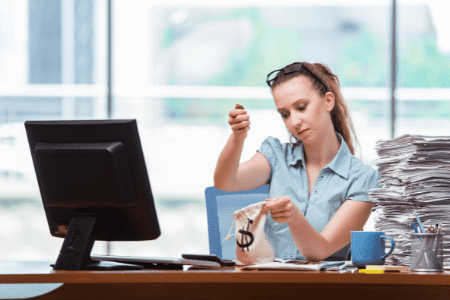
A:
[229,232]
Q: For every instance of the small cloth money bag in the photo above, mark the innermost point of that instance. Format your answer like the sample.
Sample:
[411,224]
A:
[252,245]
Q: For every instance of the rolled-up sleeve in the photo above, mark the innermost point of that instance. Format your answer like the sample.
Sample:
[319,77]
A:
[268,149]
[363,181]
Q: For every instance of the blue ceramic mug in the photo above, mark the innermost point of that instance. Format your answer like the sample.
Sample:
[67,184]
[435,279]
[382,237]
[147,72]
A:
[368,248]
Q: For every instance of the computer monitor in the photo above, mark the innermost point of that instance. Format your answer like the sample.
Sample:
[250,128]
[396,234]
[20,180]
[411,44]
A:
[94,186]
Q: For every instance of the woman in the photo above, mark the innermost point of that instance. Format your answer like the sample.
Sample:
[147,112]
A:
[317,187]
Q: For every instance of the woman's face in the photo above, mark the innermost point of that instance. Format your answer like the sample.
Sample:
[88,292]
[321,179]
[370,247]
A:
[305,113]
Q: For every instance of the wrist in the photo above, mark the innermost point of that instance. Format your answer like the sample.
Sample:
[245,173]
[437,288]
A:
[238,137]
[296,216]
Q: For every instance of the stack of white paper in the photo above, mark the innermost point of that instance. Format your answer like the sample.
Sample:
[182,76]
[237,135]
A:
[415,179]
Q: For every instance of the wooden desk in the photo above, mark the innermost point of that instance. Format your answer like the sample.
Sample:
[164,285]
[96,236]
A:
[222,284]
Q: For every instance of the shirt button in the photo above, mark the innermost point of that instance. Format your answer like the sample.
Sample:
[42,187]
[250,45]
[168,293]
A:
[315,192]
[321,176]
[291,256]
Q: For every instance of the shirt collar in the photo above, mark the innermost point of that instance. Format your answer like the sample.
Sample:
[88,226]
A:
[295,154]
[340,163]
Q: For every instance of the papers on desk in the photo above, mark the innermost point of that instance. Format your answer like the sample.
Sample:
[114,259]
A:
[415,174]
[283,266]
[292,266]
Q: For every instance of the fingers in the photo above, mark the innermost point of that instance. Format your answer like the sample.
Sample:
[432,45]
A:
[239,119]
[285,214]
[241,126]
[282,216]
[281,208]
[278,203]
[238,110]
[281,219]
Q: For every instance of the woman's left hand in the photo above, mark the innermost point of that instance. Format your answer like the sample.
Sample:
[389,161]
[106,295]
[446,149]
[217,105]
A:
[281,208]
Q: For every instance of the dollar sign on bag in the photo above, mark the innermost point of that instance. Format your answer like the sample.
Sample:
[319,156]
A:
[245,236]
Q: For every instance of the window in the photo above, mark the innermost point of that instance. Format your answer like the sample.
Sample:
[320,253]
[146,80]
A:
[52,66]
[178,68]
[423,68]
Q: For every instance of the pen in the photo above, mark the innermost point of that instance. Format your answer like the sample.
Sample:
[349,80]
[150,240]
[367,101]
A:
[414,227]
[422,230]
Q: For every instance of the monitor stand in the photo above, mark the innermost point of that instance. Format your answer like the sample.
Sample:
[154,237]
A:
[76,249]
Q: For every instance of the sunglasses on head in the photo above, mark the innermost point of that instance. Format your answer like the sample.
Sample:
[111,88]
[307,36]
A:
[289,69]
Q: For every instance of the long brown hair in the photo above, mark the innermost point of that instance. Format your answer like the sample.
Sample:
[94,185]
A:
[340,114]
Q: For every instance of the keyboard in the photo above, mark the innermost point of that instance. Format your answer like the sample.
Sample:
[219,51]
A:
[164,263]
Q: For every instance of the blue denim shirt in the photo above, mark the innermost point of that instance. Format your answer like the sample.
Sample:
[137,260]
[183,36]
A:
[345,177]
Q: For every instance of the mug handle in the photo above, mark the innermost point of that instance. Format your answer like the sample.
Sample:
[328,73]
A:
[392,245]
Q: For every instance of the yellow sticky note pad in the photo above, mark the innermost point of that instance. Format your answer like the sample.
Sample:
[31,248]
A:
[371,271]
[387,268]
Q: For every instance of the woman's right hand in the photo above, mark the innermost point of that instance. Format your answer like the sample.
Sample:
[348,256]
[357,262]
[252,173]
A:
[239,121]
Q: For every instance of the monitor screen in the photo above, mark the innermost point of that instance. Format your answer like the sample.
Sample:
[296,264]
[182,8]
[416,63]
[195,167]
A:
[94,185]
